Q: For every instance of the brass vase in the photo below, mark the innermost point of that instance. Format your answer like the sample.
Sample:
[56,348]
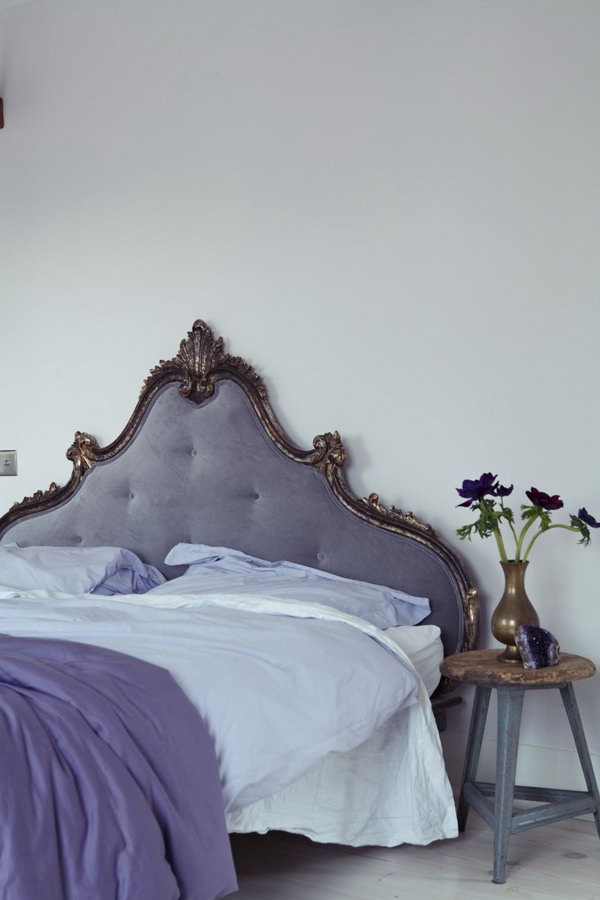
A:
[513,610]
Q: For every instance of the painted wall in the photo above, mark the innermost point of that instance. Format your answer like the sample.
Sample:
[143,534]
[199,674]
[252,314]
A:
[390,208]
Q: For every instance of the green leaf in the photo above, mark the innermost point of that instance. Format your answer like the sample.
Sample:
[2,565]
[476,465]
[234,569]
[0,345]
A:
[465,531]
[530,512]
[578,523]
[487,522]
[545,519]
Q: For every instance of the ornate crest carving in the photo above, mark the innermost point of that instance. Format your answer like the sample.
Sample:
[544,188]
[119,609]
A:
[198,362]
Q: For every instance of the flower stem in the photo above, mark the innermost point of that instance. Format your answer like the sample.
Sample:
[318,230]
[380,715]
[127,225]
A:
[512,528]
[522,538]
[541,531]
[500,542]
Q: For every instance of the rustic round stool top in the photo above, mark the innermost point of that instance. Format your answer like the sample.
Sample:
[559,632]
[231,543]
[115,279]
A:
[484,667]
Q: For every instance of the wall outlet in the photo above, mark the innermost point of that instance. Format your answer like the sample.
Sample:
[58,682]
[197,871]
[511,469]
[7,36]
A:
[8,462]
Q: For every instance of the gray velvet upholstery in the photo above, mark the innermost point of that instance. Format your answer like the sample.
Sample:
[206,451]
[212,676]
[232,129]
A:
[210,474]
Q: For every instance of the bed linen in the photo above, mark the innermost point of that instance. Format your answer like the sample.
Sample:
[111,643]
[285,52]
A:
[407,797]
[390,790]
[109,784]
[272,711]
[98,570]
[224,570]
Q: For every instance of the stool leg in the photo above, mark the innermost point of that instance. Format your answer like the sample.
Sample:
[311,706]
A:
[476,729]
[510,706]
[568,697]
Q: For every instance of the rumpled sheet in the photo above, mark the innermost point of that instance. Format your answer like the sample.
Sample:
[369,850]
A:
[279,684]
[392,789]
[266,675]
[109,784]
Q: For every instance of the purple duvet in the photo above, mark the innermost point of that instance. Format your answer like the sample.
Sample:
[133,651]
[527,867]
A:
[109,786]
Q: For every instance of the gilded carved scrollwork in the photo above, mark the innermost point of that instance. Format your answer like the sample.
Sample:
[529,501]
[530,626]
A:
[372,503]
[199,360]
[471,616]
[329,455]
[83,453]
[83,450]
[38,496]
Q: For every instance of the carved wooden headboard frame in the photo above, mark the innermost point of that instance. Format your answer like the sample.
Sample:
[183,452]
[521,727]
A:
[199,364]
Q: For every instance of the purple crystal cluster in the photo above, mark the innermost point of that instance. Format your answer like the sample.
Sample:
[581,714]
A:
[537,646]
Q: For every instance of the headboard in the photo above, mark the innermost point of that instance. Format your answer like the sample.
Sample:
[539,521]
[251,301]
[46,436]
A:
[203,459]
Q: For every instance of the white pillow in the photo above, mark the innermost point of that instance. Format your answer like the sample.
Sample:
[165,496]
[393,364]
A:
[76,570]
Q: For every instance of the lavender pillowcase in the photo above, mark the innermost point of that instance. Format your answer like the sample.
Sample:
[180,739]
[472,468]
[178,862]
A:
[223,570]
[76,570]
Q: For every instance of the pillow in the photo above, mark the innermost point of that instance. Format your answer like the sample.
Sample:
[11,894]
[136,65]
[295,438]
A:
[76,570]
[222,570]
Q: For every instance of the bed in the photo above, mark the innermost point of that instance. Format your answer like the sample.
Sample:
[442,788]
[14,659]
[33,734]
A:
[203,462]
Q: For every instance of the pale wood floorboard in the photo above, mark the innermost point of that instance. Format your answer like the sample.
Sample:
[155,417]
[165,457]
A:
[556,862]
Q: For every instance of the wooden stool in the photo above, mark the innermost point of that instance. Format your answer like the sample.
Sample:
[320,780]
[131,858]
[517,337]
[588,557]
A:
[482,668]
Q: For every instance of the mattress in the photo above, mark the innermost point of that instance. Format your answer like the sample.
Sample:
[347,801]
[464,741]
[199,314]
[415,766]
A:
[423,646]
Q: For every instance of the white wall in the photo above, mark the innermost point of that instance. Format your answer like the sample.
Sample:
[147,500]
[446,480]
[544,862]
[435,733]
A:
[391,207]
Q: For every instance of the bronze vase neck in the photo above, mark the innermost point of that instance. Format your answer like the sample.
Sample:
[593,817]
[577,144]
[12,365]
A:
[513,610]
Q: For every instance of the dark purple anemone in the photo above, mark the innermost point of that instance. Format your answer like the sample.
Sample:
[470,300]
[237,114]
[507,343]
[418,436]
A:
[476,490]
[502,491]
[545,501]
[584,515]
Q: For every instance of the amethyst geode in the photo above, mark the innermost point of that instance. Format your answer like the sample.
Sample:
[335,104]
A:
[538,647]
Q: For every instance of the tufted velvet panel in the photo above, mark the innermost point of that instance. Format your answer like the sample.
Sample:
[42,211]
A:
[210,474]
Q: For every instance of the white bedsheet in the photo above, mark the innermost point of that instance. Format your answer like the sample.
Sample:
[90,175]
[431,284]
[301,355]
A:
[388,791]
[410,799]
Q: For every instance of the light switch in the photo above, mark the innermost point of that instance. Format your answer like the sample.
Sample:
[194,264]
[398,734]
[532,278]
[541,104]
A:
[8,462]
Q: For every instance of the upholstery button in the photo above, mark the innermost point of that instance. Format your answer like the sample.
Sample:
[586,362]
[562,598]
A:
[320,557]
[256,496]
[131,496]
[78,539]
[194,453]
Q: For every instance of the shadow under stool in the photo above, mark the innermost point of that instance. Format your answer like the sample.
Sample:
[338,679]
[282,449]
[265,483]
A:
[483,669]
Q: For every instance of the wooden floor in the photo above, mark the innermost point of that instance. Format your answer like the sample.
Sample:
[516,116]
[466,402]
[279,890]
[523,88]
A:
[560,861]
